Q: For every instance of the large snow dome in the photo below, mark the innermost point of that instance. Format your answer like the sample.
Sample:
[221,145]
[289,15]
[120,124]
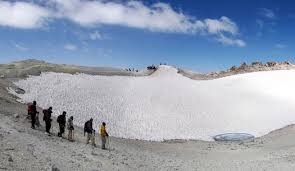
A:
[167,105]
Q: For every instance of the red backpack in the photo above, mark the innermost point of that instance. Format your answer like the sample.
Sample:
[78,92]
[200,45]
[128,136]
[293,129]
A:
[30,108]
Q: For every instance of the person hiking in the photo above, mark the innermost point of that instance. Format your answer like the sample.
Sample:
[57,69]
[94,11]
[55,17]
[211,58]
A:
[33,113]
[47,119]
[103,135]
[90,132]
[61,120]
[37,120]
[70,127]
[30,110]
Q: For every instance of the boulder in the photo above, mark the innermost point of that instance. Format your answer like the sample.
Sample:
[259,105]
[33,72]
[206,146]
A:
[256,63]
[16,115]
[286,63]
[10,159]
[54,168]
[243,66]
[271,64]
[233,68]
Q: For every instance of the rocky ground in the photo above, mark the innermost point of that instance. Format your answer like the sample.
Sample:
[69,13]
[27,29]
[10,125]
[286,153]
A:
[243,68]
[22,148]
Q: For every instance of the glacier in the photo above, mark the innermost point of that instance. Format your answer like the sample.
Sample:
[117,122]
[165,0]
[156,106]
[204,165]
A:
[167,105]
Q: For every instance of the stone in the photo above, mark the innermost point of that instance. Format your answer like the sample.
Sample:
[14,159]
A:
[271,64]
[10,159]
[20,91]
[257,63]
[54,168]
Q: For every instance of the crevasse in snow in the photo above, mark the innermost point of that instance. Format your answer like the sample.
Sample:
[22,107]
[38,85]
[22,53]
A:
[167,105]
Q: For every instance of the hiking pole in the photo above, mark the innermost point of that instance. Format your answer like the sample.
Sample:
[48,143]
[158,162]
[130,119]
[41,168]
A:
[108,143]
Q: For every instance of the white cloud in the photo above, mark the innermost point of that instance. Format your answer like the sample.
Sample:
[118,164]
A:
[280,46]
[22,15]
[70,47]
[159,17]
[95,36]
[224,24]
[267,13]
[229,41]
[20,47]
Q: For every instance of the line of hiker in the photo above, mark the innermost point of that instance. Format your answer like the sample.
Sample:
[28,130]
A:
[33,114]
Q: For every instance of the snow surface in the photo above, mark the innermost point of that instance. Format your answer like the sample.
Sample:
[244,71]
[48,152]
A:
[167,105]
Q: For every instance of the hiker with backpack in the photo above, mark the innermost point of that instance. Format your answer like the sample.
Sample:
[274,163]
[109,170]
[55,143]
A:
[47,119]
[30,110]
[33,112]
[103,135]
[61,120]
[90,132]
[70,126]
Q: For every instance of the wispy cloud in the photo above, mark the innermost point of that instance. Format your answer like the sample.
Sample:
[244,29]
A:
[260,23]
[267,13]
[227,41]
[280,46]
[70,47]
[158,17]
[20,47]
[95,35]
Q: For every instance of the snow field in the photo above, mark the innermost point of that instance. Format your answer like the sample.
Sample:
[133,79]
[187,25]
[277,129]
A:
[167,105]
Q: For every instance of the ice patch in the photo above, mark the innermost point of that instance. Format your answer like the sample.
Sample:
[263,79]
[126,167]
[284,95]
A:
[167,105]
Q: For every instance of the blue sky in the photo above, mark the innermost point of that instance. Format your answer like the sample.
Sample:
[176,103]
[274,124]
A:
[204,35]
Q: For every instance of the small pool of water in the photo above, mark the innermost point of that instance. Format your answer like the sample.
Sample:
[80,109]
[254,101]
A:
[233,137]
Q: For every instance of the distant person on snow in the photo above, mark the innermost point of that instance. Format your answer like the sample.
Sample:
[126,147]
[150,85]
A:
[103,135]
[47,119]
[90,132]
[70,126]
[61,120]
[33,113]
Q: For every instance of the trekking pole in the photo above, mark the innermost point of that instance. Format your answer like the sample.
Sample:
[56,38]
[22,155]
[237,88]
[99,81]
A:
[108,143]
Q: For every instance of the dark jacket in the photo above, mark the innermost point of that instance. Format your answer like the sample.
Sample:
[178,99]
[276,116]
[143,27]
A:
[47,115]
[61,119]
[88,127]
[34,110]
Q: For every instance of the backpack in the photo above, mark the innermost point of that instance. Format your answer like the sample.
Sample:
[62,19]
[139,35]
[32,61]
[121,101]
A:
[88,127]
[30,108]
[58,119]
[45,116]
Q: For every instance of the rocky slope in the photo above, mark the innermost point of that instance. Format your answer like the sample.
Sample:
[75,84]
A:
[243,68]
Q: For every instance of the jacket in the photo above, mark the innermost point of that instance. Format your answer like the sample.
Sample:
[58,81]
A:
[61,119]
[88,127]
[47,115]
[70,124]
[103,131]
